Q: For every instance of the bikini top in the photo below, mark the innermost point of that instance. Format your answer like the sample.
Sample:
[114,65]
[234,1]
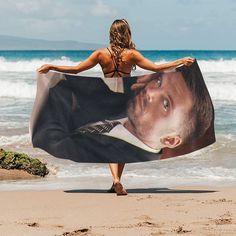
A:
[116,70]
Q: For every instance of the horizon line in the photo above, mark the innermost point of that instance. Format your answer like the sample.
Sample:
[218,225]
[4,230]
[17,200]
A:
[137,49]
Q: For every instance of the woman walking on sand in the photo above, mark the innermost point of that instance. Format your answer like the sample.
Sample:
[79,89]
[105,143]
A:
[117,60]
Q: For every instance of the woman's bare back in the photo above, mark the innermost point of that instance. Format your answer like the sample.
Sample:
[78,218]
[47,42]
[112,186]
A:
[110,67]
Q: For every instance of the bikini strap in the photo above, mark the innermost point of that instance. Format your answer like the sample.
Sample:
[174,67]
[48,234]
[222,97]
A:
[113,59]
[116,70]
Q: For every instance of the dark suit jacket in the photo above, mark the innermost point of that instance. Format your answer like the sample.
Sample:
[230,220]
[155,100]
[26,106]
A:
[77,101]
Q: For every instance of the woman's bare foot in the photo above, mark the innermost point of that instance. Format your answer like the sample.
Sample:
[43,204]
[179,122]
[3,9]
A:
[120,190]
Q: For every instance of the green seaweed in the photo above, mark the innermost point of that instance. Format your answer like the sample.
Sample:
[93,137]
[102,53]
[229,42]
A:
[21,161]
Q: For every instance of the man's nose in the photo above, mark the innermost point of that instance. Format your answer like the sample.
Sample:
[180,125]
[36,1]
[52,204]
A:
[151,94]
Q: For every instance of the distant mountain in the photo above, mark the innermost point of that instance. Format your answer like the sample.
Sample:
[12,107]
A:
[20,43]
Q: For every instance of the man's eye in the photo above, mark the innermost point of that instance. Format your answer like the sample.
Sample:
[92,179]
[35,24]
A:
[166,104]
[158,82]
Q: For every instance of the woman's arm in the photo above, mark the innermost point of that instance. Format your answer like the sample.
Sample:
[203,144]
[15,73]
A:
[88,63]
[146,64]
[149,65]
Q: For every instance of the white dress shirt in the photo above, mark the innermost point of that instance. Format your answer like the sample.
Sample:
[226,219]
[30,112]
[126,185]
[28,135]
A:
[120,132]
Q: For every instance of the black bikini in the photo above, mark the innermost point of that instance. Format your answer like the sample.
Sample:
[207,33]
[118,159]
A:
[116,70]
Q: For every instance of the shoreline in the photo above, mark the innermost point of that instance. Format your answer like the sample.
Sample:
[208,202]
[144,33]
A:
[19,180]
[192,210]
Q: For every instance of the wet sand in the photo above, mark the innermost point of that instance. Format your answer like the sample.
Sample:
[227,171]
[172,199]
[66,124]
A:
[15,175]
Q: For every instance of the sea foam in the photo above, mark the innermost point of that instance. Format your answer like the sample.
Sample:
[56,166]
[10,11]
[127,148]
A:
[17,89]
[221,65]
[220,76]
[218,91]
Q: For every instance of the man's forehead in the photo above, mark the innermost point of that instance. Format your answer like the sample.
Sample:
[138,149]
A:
[170,75]
[173,75]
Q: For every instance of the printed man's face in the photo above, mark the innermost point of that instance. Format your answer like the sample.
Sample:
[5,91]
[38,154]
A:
[160,108]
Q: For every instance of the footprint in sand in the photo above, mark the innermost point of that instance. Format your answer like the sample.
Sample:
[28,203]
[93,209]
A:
[220,200]
[147,224]
[80,232]
[224,219]
[34,224]
[181,230]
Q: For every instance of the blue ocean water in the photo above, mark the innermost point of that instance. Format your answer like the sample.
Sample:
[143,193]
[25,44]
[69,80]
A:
[153,55]
[215,164]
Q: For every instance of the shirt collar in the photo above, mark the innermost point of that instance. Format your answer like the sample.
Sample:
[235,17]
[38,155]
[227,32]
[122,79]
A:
[122,133]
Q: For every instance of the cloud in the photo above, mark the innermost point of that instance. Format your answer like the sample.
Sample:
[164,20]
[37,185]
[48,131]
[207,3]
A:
[42,19]
[88,20]
[184,28]
[28,6]
[102,9]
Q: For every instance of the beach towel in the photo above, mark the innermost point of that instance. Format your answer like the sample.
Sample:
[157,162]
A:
[122,120]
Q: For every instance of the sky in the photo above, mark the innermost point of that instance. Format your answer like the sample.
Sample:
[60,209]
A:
[155,24]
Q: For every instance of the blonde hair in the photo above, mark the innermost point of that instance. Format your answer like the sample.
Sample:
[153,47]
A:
[120,38]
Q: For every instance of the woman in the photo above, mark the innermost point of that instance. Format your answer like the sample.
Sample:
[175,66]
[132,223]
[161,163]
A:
[117,60]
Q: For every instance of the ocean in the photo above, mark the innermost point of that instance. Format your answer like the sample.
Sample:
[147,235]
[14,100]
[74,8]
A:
[214,165]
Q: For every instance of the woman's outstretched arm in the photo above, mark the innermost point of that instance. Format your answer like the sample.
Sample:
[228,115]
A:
[149,65]
[88,63]
[146,64]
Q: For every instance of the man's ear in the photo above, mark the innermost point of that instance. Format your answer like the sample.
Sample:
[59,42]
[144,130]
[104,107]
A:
[171,141]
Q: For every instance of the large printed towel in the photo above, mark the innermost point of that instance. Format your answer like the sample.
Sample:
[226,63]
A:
[156,116]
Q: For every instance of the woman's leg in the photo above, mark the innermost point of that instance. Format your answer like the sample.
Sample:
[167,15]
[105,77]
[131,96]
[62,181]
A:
[120,169]
[116,171]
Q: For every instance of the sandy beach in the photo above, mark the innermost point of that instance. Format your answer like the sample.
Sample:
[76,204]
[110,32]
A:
[156,211]
[15,175]
[157,203]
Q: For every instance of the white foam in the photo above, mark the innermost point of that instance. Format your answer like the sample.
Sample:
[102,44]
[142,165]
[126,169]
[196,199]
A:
[220,76]
[214,66]
[167,174]
[221,65]
[199,174]
[15,139]
[206,166]
[182,171]
[222,91]
[17,89]
[225,66]
[218,91]
[34,64]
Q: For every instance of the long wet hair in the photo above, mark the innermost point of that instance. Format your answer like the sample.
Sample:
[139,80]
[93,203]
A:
[120,38]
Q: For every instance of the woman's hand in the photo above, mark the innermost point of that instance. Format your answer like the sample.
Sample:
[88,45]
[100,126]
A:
[187,61]
[44,68]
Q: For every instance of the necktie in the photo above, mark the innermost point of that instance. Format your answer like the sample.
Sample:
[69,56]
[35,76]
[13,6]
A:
[105,127]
